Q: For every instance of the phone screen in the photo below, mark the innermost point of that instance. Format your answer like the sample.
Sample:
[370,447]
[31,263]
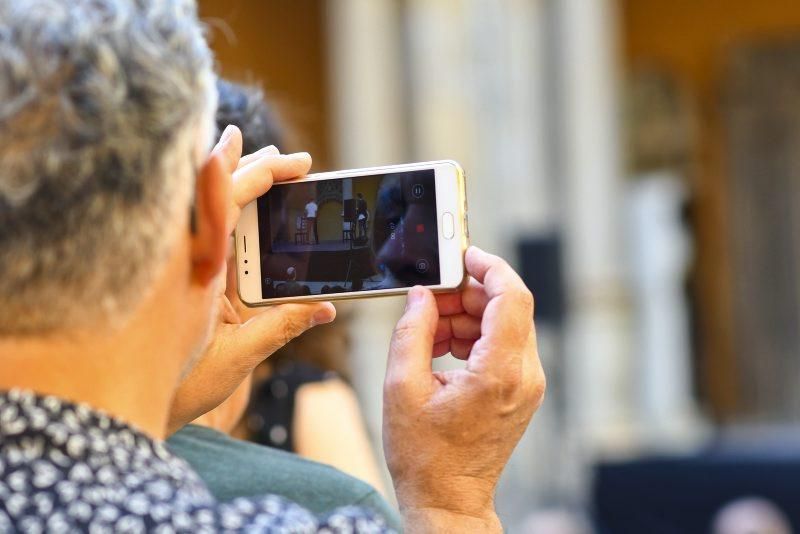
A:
[353,234]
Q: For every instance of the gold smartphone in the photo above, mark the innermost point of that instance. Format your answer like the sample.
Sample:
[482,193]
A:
[354,234]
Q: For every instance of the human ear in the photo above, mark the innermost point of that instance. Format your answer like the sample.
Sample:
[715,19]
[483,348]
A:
[209,240]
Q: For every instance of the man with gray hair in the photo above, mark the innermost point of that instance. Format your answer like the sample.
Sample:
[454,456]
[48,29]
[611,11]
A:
[116,327]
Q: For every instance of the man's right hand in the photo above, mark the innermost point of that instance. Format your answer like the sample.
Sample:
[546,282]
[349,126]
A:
[448,435]
[243,338]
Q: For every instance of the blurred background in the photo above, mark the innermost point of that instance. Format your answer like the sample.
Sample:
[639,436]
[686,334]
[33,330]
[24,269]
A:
[639,162]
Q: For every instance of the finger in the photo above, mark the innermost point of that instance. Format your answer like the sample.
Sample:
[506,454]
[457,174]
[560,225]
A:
[508,317]
[501,282]
[229,148]
[461,348]
[465,326]
[255,179]
[474,298]
[461,326]
[270,150]
[440,349]
[450,303]
[444,331]
[411,347]
[228,313]
[230,272]
[471,299]
[268,331]
[292,166]
[492,272]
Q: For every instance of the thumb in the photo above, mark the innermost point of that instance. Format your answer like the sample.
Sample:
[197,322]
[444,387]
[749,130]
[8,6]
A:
[411,349]
[268,331]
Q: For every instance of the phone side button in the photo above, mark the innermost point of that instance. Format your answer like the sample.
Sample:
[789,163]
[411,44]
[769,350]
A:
[448,225]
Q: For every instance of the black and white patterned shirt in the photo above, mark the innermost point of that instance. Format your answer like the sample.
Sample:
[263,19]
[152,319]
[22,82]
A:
[65,467]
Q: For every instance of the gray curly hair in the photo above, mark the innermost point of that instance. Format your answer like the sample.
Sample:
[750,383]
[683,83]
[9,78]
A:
[102,104]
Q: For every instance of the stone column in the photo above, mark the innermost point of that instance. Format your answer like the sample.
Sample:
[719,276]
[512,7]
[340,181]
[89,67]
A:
[600,394]
[368,129]
[477,79]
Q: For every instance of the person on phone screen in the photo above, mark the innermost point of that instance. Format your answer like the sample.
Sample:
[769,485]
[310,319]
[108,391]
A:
[291,287]
[311,218]
[119,327]
[362,215]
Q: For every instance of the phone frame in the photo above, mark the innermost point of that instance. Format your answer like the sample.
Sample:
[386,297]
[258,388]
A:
[451,198]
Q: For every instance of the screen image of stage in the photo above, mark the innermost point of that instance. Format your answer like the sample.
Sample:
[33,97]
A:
[352,234]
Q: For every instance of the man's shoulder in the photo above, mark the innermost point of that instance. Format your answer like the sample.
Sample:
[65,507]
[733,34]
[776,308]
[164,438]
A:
[233,468]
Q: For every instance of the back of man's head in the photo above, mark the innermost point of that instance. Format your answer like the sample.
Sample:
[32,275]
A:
[102,105]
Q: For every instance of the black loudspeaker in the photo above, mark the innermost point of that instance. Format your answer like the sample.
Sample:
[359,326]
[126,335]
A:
[349,209]
[541,268]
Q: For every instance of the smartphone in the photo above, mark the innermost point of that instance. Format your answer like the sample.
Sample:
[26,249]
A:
[354,234]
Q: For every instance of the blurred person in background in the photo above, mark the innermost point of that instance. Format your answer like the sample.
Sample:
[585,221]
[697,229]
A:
[116,328]
[751,515]
[299,402]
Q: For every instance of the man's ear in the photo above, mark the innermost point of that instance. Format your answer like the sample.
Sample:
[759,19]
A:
[210,233]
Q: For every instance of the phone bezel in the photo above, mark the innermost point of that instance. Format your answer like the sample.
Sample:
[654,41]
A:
[450,197]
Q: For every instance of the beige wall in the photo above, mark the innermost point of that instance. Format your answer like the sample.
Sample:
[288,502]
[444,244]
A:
[279,44]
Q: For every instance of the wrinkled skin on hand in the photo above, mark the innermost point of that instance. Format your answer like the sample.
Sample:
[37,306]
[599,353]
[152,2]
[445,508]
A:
[448,435]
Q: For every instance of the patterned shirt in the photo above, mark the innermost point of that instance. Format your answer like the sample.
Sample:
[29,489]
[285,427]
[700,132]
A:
[65,467]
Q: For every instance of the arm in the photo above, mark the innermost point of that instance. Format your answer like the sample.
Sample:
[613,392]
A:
[329,429]
[226,416]
[448,435]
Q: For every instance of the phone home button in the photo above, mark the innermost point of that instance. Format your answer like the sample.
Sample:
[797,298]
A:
[448,225]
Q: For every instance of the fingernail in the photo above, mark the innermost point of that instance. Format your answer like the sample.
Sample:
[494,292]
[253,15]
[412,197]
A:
[227,133]
[415,296]
[323,316]
[299,155]
[272,149]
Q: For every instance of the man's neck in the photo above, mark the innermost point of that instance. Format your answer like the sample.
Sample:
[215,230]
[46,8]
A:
[125,374]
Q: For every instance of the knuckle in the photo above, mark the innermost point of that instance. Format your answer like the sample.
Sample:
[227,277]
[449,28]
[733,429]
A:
[390,385]
[488,386]
[505,390]
[525,298]
[538,389]
[404,330]
[513,392]
[291,328]
[394,390]
[511,386]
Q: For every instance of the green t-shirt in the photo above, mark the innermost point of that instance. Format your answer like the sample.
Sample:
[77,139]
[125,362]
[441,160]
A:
[233,468]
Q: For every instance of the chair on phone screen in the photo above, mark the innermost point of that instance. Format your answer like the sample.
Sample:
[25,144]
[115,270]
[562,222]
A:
[301,231]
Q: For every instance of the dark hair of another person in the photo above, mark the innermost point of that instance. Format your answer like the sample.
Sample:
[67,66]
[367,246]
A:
[244,106]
